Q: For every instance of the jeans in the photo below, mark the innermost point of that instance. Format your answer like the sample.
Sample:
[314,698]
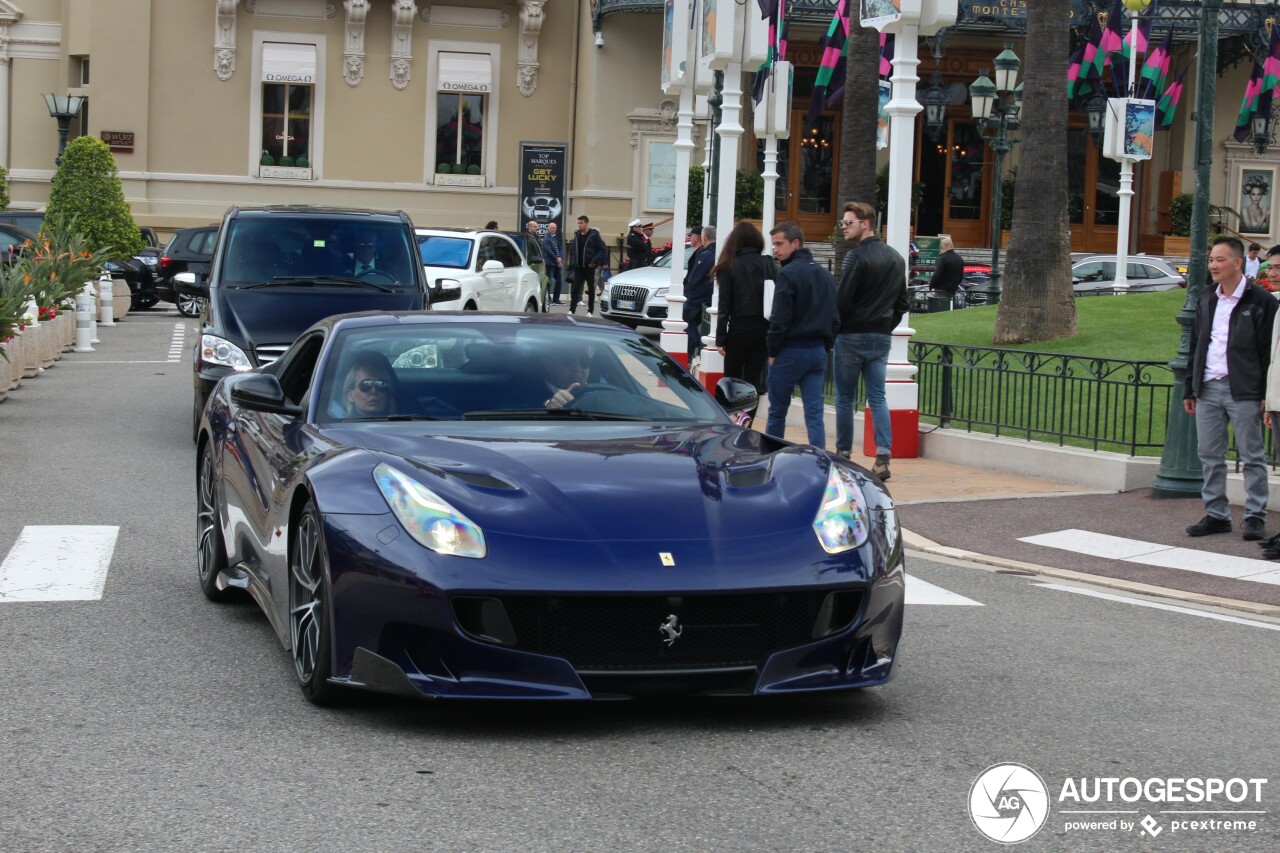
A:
[806,367]
[692,317]
[1214,408]
[554,274]
[583,277]
[865,354]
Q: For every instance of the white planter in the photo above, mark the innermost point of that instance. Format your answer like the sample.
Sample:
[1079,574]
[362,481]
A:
[4,372]
[121,300]
[30,352]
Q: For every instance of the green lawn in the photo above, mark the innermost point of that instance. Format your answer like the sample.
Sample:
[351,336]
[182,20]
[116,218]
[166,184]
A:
[1077,399]
[1137,327]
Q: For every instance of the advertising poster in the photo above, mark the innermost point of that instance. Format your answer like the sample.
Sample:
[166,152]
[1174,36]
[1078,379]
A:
[1139,129]
[542,184]
[878,13]
[882,118]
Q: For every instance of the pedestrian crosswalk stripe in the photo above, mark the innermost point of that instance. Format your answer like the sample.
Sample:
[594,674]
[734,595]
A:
[1156,605]
[1154,554]
[923,592]
[58,563]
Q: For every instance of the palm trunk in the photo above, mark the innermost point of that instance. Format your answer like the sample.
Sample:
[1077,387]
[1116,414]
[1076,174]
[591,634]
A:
[858,127]
[1037,304]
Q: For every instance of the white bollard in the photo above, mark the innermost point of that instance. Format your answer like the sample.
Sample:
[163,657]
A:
[84,315]
[105,300]
[93,318]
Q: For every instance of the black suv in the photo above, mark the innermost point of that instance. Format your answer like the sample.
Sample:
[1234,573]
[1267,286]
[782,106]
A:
[190,250]
[277,270]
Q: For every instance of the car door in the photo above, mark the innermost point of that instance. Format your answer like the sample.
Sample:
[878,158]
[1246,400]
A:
[489,285]
[509,298]
[272,448]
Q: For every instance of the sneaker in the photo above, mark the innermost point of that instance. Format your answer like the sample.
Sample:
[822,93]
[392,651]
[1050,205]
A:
[1209,525]
[1270,542]
[844,454]
[1254,528]
[881,468]
[1271,553]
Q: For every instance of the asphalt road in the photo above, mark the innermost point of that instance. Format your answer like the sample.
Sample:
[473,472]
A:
[154,720]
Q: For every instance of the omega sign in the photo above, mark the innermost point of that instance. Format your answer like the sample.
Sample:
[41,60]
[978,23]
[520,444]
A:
[463,86]
[118,140]
[288,78]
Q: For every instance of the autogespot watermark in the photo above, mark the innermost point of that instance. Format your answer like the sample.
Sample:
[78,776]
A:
[1010,803]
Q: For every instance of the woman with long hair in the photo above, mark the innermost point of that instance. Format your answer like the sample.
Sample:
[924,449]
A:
[741,272]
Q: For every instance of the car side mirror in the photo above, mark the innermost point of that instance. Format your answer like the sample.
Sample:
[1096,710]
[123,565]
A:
[444,290]
[492,266]
[736,395]
[188,284]
[261,392]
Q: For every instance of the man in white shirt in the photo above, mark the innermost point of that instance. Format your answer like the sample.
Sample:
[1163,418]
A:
[1226,384]
[1252,262]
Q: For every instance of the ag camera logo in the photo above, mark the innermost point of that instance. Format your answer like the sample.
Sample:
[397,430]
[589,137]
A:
[1008,803]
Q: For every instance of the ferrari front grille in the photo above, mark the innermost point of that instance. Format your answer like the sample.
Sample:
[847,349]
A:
[619,633]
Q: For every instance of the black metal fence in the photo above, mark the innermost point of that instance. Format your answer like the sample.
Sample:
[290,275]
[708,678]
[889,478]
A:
[1099,403]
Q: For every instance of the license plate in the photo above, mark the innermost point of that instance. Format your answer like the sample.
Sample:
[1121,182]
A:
[626,305]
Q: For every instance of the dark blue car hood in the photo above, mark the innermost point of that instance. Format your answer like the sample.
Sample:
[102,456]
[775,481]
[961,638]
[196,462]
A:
[278,315]
[613,483]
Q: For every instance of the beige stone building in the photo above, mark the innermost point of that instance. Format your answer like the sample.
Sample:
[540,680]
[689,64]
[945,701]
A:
[407,104]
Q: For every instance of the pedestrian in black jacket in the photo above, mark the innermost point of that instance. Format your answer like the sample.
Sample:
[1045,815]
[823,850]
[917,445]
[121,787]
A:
[873,298]
[949,271]
[699,285]
[802,330]
[1227,383]
[741,327]
[587,253]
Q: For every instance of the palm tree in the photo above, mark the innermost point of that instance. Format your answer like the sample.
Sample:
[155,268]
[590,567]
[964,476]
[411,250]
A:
[858,122]
[1037,303]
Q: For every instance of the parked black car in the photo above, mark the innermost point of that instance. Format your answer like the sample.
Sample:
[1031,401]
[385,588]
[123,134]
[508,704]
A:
[136,274]
[277,270]
[13,242]
[190,250]
[28,220]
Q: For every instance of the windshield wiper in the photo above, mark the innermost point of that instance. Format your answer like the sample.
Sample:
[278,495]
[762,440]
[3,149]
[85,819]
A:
[309,280]
[545,414]
[389,418]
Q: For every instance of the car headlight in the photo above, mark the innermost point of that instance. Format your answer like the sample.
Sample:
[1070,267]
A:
[220,351]
[661,291]
[841,523]
[427,517]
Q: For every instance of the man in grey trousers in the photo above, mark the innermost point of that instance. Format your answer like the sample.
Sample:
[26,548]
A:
[1227,383]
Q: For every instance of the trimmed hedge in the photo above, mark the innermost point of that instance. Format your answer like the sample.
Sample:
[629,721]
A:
[87,191]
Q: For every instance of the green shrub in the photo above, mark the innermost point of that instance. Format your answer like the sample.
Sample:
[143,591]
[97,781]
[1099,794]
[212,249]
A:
[87,191]
[748,200]
[301,162]
[266,159]
[458,169]
[473,169]
[4,189]
[285,160]
[697,189]
[442,168]
[1180,215]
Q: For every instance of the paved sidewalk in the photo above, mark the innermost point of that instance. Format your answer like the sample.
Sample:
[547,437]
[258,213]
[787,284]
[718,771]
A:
[1129,541]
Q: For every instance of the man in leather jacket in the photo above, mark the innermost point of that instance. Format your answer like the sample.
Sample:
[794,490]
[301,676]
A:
[872,297]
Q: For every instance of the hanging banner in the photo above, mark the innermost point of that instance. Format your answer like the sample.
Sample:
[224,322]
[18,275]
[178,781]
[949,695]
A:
[542,185]
[882,117]
[878,13]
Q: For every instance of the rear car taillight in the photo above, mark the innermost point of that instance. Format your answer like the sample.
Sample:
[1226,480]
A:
[166,262]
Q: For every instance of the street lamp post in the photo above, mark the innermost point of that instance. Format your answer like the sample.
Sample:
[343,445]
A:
[995,111]
[63,108]
[1180,474]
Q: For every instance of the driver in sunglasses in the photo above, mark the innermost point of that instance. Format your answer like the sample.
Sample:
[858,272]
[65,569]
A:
[369,389]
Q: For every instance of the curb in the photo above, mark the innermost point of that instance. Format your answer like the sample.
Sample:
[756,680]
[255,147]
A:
[918,543]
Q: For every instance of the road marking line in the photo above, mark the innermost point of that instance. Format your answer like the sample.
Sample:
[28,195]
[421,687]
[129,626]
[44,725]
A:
[58,563]
[177,343]
[1156,605]
[923,592]
[1164,556]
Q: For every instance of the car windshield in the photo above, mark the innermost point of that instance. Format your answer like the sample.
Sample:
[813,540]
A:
[500,371]
[452,253]
[272,249]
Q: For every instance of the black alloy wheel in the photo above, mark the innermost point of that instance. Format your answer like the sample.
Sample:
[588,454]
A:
[211,554]
[309,628]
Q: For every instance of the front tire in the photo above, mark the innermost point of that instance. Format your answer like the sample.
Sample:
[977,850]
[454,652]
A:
[309,620]
[531,307]
[211,553]
[189,306]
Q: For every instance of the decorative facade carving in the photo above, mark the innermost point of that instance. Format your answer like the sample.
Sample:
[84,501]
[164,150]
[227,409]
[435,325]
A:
[465,16]
[402,15]
[353,45]
[662,120]
[289,10]
[531,15]
[224,38]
